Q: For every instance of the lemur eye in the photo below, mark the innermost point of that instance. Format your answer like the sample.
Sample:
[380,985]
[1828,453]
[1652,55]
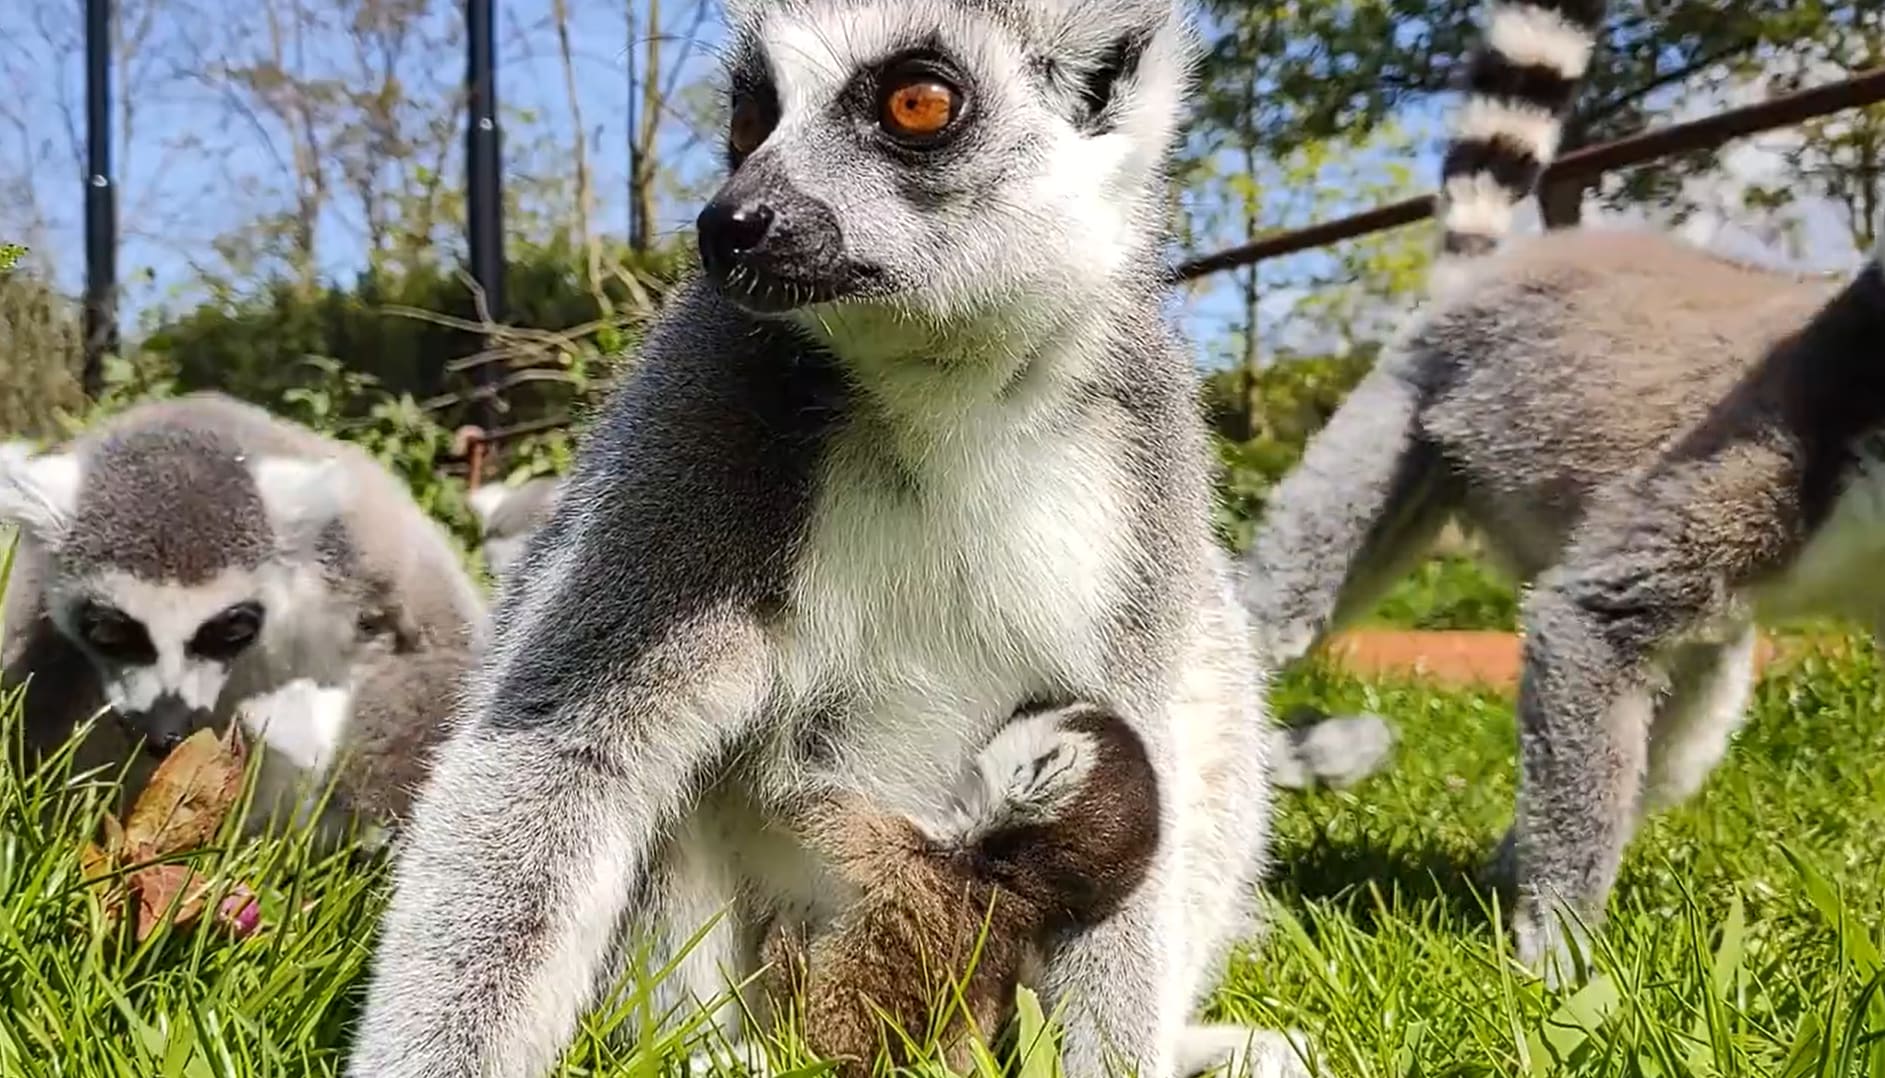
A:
[229,633]
[753,121]
[918,106]
[115,635]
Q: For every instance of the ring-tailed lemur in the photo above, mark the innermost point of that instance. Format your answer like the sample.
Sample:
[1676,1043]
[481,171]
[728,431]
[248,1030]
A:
[1058,820]
[1667,445]
[919,446]
[194,560]
[508,515]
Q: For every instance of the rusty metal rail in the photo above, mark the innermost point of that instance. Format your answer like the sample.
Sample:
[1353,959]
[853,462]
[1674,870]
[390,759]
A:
[1708,132]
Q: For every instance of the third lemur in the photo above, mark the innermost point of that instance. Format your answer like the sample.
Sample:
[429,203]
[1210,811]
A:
[1667,445]
[1057,823]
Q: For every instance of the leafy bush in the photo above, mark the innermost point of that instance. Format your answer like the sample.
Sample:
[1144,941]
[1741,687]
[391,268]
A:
[40,355]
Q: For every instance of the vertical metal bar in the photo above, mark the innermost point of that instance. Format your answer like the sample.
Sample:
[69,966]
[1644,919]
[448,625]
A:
[636,226]
[483,176]
[101,216]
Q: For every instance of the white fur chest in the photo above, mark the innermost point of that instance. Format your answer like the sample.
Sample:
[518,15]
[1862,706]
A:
[928,606]
[1841,570]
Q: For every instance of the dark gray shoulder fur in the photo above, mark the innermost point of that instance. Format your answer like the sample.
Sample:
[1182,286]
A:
[702,465]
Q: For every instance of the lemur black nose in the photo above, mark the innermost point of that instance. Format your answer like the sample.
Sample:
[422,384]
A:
[728,230]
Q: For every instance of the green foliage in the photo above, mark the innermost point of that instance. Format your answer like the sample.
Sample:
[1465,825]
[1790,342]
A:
[1333,70]
[1450,591]
[10,255]
[408,330]
[40,355]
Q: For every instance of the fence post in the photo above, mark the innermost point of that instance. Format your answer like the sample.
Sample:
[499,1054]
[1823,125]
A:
[483,180]
[101,211]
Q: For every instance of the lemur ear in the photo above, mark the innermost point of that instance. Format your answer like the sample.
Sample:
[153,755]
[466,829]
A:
[486,499]
[38,494]
[1100,84]
[302,496]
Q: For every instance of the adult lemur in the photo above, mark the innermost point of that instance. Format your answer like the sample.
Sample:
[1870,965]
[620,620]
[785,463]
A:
[919,447]
[195,560]
[1667,445]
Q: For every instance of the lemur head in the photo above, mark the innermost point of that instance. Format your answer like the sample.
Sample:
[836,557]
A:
[944,163]
[170,557]
[1062,807]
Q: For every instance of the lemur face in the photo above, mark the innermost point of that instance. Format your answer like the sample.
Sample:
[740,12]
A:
[175,564]
[942,160]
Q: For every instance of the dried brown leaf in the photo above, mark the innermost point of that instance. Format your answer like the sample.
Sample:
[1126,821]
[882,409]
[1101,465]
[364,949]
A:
[187,797]
[157,887]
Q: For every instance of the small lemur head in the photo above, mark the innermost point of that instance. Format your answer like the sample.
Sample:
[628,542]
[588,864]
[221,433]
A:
[1063,808]
[944,163]
[169,555]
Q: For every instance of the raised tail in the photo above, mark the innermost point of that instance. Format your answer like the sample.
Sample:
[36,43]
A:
[1520,83]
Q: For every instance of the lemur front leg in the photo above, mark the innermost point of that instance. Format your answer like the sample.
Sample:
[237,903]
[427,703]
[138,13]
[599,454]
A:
[1116,985]
[537,825]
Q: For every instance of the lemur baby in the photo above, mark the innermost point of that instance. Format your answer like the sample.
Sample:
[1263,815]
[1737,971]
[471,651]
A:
[194,558]
[1058,823]
[918,446]
[507,516]
[1667,445]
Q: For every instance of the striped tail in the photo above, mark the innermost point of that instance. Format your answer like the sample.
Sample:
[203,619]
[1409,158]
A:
[1519,87]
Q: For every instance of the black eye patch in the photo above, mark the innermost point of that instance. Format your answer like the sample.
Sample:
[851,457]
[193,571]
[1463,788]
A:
[114,634]
[229,633]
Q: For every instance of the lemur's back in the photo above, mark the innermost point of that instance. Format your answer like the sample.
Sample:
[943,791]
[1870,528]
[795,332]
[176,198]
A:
[1576,355]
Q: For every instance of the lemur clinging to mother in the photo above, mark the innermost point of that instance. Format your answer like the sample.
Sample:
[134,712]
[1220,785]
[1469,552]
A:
[918,446]
[1666,445]
[1056,823]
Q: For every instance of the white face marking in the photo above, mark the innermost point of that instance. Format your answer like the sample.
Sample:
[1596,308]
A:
[1032,768]
[1045,251]
[303,633]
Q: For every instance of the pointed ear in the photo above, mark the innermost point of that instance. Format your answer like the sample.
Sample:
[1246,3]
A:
[302,496]
[38,494]
[486,499]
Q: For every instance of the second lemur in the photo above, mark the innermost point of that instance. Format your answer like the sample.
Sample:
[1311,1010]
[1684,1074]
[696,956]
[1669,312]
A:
[1669,446]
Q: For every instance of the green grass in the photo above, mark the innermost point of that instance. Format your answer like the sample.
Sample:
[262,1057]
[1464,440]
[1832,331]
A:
[1744,940]
[1449,592]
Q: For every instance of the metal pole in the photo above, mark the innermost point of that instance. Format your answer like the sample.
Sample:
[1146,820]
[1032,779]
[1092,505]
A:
[484,196]
[635,223]
[101,217]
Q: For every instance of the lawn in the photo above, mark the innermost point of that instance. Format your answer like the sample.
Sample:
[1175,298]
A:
[1745,933]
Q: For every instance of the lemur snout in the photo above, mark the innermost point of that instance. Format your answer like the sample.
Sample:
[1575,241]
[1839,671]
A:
[166,723]
[729,230]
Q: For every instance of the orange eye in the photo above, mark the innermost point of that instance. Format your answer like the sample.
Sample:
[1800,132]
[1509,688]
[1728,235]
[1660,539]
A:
[752,122]
[919,107]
